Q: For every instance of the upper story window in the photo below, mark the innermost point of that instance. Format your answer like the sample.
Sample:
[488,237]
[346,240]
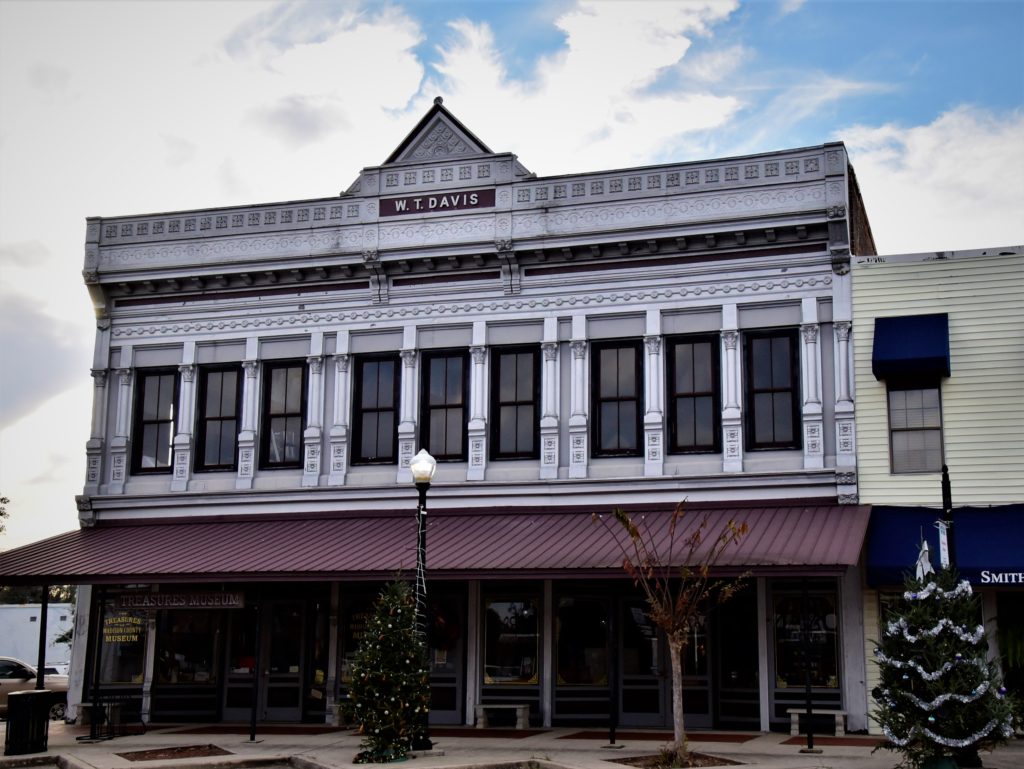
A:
[915,428]
[444,404]
[616,397]
[284,414]
[156,398]
[772,380]
[218,398]
[694,416]
[375,409]
[515,394]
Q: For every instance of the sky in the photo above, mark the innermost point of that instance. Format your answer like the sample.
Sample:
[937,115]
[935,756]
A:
[113,108]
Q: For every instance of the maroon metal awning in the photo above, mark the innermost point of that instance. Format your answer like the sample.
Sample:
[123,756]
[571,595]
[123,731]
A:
[790,539]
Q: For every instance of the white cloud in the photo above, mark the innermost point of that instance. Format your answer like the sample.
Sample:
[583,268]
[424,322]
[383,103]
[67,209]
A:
[590,104]
[714,65]
[953,183]
[791,6]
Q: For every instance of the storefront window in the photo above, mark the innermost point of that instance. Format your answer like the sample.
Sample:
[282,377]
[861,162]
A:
[582,628]
[819,618]
[511,642]
[186,646]
[123,645]
[695,655]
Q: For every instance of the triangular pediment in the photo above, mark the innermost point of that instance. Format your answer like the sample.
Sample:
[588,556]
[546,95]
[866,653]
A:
[438,136]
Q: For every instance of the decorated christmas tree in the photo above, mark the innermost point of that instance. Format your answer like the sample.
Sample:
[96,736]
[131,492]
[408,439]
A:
[390,685]
[940,699]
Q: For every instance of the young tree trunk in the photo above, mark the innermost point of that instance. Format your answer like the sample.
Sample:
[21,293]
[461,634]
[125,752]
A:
[676,647]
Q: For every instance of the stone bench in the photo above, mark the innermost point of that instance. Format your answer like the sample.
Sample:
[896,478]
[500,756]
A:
[522,715]
[795,713]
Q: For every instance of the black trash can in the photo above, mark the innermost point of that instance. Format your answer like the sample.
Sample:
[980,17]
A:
[28,722]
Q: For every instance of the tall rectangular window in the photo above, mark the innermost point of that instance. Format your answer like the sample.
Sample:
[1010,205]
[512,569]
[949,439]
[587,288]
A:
[156,399]
[915,429]
[444,404]
[694,378]
[616,396]
[218,397]
[284,414]
[772,379]
[375,409]
[515,394]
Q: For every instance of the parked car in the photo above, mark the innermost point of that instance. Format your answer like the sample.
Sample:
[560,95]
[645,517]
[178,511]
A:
[17,676]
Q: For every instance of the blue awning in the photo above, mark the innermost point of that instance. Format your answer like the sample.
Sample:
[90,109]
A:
[986,543]
[911,346]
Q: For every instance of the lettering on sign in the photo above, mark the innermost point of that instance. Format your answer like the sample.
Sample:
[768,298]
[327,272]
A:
[182,601]
[122,627]
[1002,577]
[446,201]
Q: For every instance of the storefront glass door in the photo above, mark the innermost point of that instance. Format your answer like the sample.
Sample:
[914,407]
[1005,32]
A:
[646,672]
[279,624]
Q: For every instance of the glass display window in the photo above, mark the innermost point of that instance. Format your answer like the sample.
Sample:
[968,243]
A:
[511,641]
[122,645]
[186,646]
[818,652]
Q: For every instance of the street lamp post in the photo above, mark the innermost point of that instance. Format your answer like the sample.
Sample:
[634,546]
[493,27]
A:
[422,466]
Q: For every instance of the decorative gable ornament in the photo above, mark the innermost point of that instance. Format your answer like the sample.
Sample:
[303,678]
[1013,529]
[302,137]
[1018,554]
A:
[438,136]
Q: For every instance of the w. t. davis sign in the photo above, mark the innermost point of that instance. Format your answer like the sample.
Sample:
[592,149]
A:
[442,201]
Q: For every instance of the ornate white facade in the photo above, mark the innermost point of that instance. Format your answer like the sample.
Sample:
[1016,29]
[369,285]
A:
[449,246]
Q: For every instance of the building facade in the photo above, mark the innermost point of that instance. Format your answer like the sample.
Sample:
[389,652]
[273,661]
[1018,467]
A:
[563,346]
[939,361]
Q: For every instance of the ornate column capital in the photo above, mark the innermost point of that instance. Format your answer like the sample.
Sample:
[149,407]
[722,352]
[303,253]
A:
[408,358]
[187,371]
[653,344]
[550,350]
[316,364]
[810,333]
[341,362]
[99,376]
[731,339]
[124,376]
[579,349]
[479,354]
[250,368]
[842,330]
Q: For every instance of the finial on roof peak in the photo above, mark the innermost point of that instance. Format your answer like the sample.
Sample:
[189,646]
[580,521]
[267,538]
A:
[438,101]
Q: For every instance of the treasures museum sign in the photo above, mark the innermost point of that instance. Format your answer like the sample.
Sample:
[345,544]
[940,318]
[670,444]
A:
[181,601]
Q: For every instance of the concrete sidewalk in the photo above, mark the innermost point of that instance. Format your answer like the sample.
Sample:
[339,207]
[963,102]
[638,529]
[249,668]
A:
[313,748]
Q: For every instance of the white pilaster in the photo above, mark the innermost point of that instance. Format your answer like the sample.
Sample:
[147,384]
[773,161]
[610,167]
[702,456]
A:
[407,423]
[342,414]
[477,429]
[247,435]
[654,406]
[810,375]
[732,411]
[312,436]
[845,426]
[579,402]
[186,417]
[119,443]
[94,446]
[549,400]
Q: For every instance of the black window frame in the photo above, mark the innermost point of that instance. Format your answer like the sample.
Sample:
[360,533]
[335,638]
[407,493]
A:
[265,416]
[497,353]
[714,342]
[426,409]
[751,392]
[202,419]
[139,422]
[597,400]
[358,410]
[907,385]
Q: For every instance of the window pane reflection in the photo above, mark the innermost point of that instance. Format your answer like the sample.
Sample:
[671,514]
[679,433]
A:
[511,642]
